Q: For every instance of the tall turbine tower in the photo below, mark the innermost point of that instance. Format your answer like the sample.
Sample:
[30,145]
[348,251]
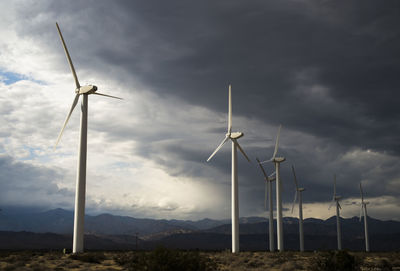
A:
[298,195]
[268,194]
[233,136]
[336,199]
[277,161]
[363,211]
[83,91]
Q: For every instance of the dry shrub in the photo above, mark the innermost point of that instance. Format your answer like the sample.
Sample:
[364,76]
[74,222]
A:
[162,259]
[384,265]
[254,263]
[38,267]
[288,266]
[89,257]
[334,261]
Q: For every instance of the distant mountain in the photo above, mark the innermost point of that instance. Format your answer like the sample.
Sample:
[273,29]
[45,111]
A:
[61,221]
[319,235]
[53,229]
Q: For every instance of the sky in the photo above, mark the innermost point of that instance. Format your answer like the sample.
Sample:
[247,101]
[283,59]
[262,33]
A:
[328,71]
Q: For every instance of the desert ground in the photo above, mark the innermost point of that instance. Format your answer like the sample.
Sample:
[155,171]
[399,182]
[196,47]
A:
[165,260]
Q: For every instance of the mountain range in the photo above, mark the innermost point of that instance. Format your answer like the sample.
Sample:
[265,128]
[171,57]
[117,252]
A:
[53,230]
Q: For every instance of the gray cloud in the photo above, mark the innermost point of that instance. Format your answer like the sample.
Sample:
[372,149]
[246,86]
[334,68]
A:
[328,71]
[23,184]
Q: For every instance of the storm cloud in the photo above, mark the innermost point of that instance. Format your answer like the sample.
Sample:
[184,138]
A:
[326,70]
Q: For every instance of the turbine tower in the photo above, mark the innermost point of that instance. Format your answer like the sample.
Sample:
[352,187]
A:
[233,136]
[298,195]
[363,211]
[80,191]
[268,194]
[277,161]
[336,199]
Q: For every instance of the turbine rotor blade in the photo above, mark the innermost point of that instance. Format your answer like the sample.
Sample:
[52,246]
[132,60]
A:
[66,120]
[241,150]
[277,142]
[334,186]
[361,210]
[362,194]
[267,161]
[68,58]
[294,201]
[219,147]
[331,204]
[295,179]
[262,169]
[266,195]
[230,110]
[340,207]
[96,93]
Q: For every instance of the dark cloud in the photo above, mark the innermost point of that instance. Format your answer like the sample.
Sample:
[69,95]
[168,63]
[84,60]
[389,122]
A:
[327,70]
[273,53]
[23,184]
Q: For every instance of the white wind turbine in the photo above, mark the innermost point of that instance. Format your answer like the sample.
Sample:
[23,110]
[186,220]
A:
[277,161]
[83,91]
[299,196]
[363,211]
[336,199]
[233,136]
[268,194]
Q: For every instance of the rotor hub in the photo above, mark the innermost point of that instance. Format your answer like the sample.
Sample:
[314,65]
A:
[279,159]
[235,135]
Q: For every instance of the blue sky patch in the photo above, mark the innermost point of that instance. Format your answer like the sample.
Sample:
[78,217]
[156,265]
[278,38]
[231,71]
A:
[9,77]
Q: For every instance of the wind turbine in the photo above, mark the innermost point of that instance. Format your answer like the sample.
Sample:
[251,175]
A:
[363,211]
[268,194]
[298,192]
[277,161]
[336,199]
[233,136]
[84,91]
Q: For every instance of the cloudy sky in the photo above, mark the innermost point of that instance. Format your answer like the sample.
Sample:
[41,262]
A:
[328,71]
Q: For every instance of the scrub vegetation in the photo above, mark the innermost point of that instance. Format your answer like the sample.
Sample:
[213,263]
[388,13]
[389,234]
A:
[163,259]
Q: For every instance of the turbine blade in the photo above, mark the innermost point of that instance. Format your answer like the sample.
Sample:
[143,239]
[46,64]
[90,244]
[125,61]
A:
[96,93]
[241,150]
[362,194]
[295,179]
[331,204]
[361,210]
[219,147]
[66,120]
[294,201]
[266,195]
[262,169]
[340,207]
[334,186]
[267,161]
[68,58]
[277,142]
[230,110]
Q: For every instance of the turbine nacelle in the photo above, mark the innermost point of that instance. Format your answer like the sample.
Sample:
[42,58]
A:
[270,179]
[235,135]
[337,198]
[279,159]
[301,189]
[89,89]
